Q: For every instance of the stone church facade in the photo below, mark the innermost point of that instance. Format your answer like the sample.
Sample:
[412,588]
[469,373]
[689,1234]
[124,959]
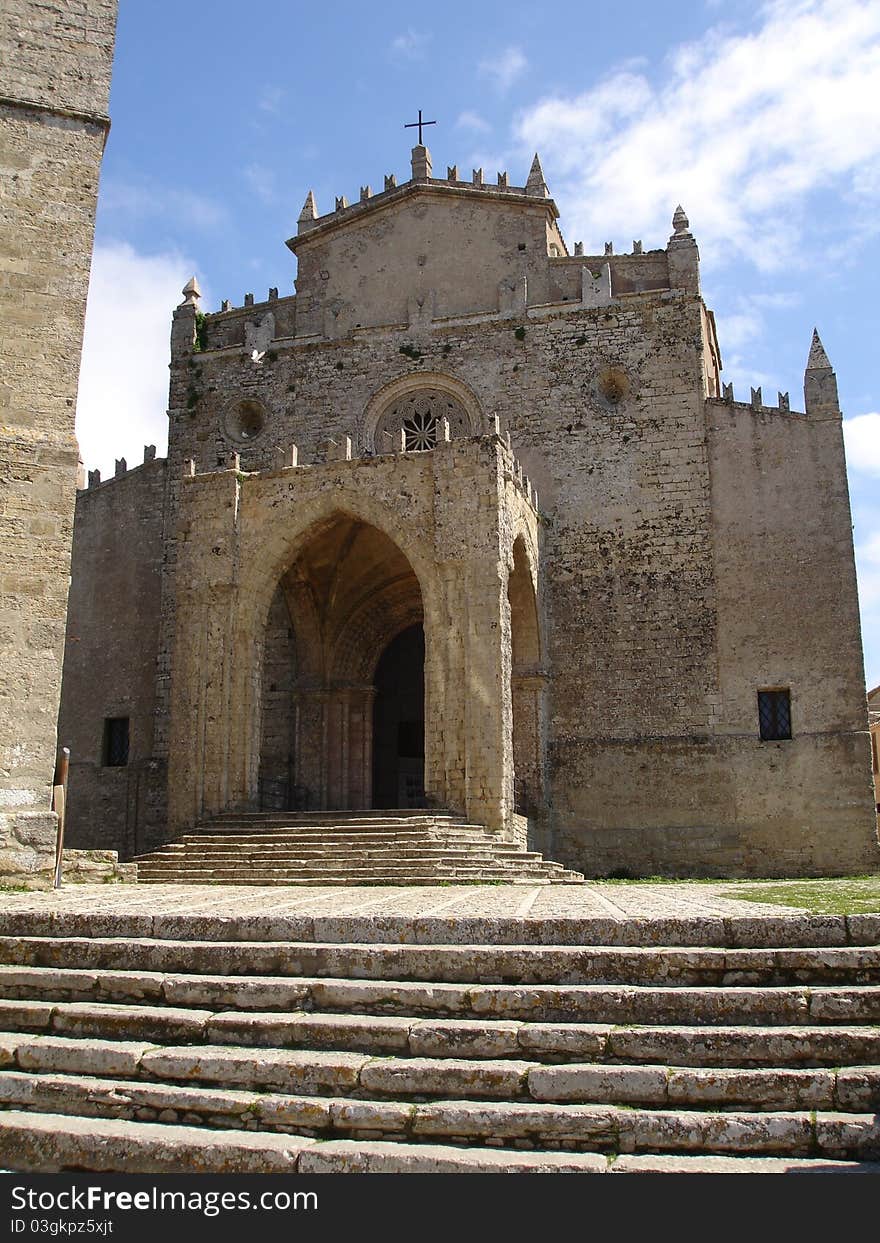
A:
[470,522]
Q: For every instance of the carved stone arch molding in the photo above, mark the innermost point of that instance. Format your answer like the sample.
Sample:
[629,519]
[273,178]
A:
[415,403]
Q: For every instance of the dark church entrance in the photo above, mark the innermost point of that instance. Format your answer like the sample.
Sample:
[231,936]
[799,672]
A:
[399,722]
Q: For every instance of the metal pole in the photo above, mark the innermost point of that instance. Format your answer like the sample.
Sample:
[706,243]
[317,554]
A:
[59,804]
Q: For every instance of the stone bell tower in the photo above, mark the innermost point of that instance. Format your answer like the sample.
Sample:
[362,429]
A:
[54,83]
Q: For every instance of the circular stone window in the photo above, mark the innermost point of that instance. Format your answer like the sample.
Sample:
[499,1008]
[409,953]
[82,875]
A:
[418,415]
[244,421]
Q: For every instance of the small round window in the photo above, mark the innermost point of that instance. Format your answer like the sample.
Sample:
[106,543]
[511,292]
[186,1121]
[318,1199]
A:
[244,421]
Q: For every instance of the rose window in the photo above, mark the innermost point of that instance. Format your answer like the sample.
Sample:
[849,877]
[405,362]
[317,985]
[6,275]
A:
[419,415]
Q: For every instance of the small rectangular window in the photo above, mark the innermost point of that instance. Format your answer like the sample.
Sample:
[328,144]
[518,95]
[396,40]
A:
[115,742]
[774,715]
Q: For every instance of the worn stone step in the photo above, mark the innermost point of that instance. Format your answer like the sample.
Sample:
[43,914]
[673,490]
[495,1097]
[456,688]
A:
[810,932]
[383,882]
[34,994]
[583,1127]
[389,880]
[187,1006]
[320,849]
[590,1002]
[317,1071]
[471,963]
[53,1141]
[362,865]
[313,1071]
[591,1082]
[377,1157]
[519,965]
[49,1143]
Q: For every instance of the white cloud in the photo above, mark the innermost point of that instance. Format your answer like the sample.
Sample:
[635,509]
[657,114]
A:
[410,45]
[861,436]
[504,67]
[473,121]
[123,385]
[740,128]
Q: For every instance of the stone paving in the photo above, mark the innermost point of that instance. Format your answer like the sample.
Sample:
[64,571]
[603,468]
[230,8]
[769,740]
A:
[622,902]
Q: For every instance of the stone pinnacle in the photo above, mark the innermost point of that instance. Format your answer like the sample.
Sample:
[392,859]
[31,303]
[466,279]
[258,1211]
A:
[818,359]
[536,183]
[191,292]
[310,208]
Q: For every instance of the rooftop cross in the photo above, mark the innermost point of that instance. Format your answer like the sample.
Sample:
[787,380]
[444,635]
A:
[418,124]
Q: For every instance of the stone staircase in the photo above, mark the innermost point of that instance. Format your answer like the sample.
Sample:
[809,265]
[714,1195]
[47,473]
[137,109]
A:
[345,848]
[437,1045]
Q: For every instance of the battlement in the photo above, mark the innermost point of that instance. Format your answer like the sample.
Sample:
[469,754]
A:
[340,450]
[756,402]
[344,211]
[820,391]
[121,470]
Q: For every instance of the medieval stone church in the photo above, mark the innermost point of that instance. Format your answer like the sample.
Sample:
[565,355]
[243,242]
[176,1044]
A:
[470,522]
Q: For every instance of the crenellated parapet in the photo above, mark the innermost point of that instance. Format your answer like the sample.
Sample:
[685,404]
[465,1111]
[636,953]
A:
[820,391]
[339,450]
[121,470]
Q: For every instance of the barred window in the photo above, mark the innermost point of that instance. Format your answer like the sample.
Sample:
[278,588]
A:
[115,742]
[774,715]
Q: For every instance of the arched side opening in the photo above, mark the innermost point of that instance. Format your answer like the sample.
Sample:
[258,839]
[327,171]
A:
[347,595]
[528,684]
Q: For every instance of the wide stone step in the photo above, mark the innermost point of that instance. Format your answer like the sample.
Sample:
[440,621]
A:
[331,1071]
[317,868]
[322,1072]
[381,849]
[275,1011]
[584,1126]
[330,849]
[46,1143]
[352,877]
[577,1079]
[589,1129]
[338,882]
[845,966]
[416,861]
[156,921]
[319,837]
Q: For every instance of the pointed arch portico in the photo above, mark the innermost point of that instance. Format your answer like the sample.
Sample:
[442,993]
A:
[414,556]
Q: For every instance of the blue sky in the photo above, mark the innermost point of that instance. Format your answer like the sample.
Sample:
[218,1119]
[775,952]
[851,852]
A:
[762,119]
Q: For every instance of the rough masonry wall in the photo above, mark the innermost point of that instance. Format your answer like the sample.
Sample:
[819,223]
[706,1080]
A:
[54,83]
[788,617]
[110,660]
[439,256]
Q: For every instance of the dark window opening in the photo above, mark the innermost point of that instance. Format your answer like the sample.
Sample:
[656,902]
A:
[115,742]
[411,740]
[774,715]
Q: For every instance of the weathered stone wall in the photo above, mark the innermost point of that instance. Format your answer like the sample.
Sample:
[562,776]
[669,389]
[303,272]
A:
[110,660]
[54,83]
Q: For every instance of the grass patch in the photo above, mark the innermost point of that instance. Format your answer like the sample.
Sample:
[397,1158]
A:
[832,895]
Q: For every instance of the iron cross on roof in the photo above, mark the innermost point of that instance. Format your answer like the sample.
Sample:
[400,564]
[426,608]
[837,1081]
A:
[419,124]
